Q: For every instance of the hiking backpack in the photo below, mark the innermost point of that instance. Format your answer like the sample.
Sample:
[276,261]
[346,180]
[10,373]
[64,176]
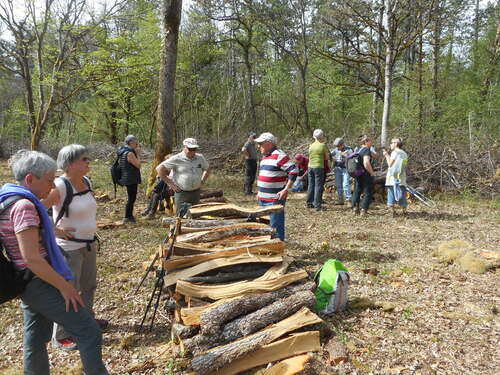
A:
[116,171]
[332,281]
[12,282]
[69,197]
[354,165]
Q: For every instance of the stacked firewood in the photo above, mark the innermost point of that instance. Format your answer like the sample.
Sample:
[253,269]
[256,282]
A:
[238,298]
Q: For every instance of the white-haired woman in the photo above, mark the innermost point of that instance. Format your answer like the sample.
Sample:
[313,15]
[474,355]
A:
[130,166]
[74,211]
[27,233]
[319,157]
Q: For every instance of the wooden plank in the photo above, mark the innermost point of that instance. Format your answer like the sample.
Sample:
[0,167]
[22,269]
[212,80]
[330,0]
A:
[229,209]
[217,292]
[293,345]
[174,277]
[211,234]
[289,366]
[224,227]
[219,357]
[268,247]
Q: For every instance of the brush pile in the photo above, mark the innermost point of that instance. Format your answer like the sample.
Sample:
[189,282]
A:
[239,300]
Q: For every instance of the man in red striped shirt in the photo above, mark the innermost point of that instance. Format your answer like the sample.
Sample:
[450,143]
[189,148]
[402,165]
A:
[276,176]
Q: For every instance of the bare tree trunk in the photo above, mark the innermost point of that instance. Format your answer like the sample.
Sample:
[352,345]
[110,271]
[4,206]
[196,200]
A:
[436,51]
[389,50]
[375,97]
[171,19]
[250,95]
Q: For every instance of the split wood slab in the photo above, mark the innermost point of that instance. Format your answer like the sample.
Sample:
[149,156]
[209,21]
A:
[248,225]
[217,292]
[293,345]
[289,366]
[219,357]
[193,223]
[268,247]
[220,234]
[218,262]
[184,248]
[229,209]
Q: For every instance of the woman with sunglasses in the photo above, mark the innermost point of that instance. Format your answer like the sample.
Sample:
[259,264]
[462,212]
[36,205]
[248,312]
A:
[75,228]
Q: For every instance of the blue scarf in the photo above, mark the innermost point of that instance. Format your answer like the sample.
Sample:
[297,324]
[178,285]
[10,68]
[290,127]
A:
[56,258]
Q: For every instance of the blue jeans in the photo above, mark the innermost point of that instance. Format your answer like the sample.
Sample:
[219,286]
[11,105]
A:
[278,219]
[342,183]
[42,304]
[315,188]
[391,200]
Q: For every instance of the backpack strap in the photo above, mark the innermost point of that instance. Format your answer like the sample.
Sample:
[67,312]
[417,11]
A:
[69,197]
[9,202]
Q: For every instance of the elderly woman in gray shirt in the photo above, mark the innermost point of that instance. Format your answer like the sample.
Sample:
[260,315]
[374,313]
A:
[189,171]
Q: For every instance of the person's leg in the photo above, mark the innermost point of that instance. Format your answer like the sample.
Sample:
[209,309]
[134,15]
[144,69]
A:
[254,174]
[277,220]
[402,201]
[311,187]
[248,173]
[131,197]
[346,184]
[48,302]
[368,191]
[88,278]
[391,199]
[179,199]
[75,262]
[357,192]
[36,334]
[339,180]
[318,188]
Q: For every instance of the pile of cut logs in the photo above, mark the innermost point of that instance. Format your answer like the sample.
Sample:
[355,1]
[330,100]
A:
[238,300]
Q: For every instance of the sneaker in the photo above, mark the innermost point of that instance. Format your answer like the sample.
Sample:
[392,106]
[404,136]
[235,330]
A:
[103,323]
[65,344]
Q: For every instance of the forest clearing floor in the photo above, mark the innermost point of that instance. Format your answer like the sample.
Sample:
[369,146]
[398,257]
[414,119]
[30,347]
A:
[418,316]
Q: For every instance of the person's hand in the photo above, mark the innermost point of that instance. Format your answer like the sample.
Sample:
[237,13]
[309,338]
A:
[282,194]
[174,186]
[71,296]
[65,234]
[385,152]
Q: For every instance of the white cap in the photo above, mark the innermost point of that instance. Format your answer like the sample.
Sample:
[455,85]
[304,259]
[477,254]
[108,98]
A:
[318,133]
[266,137]
[190,143]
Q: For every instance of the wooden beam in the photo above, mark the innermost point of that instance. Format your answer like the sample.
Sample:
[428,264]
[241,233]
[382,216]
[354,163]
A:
[211,234]
[293,345]
[218,262]
[217,292]
[248,225]
[229,209]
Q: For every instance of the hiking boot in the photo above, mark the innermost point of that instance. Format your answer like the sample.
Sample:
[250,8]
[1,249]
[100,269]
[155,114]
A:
[364,212]
[65,344]
[130,220]
[309,205]
[320,209]
[103,323]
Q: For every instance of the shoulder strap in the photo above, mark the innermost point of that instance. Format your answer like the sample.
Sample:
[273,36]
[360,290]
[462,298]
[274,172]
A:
[67,200]
[9,202]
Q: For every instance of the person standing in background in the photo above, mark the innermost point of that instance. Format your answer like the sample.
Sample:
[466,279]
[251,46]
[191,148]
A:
[319,156]
[130,165]
[395,180]
[249,150]
[339,155]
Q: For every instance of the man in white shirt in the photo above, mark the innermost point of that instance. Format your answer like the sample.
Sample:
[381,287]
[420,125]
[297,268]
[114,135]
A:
[395,180]
[189,171]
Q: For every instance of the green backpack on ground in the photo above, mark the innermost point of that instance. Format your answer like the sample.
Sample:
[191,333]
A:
[332,281]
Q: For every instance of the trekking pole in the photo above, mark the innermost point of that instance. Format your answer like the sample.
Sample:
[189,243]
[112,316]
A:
[160,274]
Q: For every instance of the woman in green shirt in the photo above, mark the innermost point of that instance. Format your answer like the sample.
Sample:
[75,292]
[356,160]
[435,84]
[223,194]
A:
[318,154]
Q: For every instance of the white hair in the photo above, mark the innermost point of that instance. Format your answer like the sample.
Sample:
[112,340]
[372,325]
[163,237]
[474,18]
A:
[25,162]
[69,154]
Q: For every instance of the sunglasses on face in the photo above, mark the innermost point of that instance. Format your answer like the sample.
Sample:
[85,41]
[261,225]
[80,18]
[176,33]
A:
[192,149]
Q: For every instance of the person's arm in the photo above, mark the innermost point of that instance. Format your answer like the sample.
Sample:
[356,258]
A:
[205,175]
[388,158]
[367,164]
[29,240]
[163,173]
[244,151]
[134,160]
[53,199]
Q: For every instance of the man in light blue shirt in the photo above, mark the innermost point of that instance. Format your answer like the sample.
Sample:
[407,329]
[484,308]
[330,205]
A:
[339,155]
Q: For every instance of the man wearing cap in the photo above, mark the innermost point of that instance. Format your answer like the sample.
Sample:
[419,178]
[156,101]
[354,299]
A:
[249,151]
[276,176]
[189,171]
[319,157]
[339,155]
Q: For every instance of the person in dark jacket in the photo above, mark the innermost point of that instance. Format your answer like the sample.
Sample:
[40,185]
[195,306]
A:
[130,166]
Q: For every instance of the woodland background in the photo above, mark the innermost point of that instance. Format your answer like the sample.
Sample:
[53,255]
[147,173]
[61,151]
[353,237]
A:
[91,72]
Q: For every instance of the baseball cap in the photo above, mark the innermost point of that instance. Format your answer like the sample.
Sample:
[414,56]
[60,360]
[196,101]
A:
[190,143]
[266,137]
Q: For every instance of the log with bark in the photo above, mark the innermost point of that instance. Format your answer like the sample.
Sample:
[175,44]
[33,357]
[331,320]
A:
[220,234]
[212,319]
[224,277]
[216,292]
[295,344]
[175,277]
[253,322]
[228,210]
[180,331]
[218,357]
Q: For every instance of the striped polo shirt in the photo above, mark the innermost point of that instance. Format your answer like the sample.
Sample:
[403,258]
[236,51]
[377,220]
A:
[275,169]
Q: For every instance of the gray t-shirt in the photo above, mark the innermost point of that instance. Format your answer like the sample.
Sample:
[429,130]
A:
[186,172]
[251,149]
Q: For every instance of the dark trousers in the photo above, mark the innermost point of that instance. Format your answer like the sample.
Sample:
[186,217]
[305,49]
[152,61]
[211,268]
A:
[131,197]
[364,184]
[250,173]
[316,186]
